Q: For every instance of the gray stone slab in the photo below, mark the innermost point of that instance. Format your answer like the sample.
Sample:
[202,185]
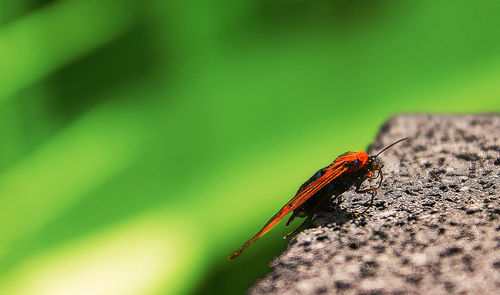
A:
[434,228]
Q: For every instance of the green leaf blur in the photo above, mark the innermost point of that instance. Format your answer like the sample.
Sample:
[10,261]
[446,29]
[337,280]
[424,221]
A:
[144,141]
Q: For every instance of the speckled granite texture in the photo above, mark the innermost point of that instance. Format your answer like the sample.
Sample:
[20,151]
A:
[435,226]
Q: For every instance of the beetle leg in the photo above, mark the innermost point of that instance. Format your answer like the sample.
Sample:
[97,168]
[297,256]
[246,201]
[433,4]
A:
[372,189]
[299,228]
[381,177]
[374,193]
[310,215]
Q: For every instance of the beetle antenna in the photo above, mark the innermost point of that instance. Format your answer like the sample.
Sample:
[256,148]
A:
[389,146]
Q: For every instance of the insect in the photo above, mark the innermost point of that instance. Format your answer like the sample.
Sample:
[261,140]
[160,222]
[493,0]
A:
[350,168]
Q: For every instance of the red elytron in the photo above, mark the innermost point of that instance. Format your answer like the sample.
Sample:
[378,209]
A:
[348,169]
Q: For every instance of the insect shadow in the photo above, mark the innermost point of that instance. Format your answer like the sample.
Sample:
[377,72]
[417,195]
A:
[332,216]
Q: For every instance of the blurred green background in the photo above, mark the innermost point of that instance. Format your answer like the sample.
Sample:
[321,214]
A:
[144,141]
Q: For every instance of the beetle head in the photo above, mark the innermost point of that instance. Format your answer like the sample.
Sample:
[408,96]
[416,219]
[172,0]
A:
[374,166]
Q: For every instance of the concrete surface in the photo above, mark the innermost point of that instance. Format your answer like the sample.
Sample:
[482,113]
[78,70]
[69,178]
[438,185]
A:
[434,228]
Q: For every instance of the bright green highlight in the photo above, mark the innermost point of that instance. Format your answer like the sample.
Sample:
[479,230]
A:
[73,163]
[132,258]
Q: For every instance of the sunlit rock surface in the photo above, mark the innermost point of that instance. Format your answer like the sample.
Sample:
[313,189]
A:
[434,228]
